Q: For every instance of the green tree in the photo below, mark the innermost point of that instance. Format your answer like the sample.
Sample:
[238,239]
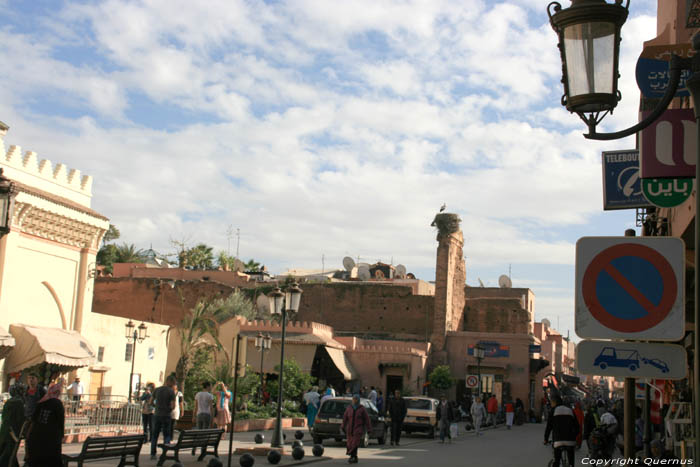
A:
[200,372]
[252,266]
[107,256]
[200,256]
[199,327]
[226,261]
[295,382]
[441,378]
[127,253]
[111,234]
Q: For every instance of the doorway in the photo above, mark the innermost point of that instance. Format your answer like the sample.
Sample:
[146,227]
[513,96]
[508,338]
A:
[393,382]
[96,379]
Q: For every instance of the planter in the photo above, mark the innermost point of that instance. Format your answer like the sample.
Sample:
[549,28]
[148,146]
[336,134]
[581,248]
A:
[264,424]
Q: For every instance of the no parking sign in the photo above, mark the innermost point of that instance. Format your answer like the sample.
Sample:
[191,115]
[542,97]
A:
[630,288]
[472,381]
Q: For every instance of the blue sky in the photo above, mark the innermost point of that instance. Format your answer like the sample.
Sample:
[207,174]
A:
[322,128]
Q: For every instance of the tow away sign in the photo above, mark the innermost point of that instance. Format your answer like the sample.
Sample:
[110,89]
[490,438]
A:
[631,359]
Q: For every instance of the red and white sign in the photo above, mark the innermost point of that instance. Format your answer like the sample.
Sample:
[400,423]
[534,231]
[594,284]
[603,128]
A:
[472,381]
[630,288]
[668,146]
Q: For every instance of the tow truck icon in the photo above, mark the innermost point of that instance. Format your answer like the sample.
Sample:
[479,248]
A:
[610,356]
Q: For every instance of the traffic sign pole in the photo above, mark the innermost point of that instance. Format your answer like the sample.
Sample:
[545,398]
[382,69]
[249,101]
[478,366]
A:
[629,400]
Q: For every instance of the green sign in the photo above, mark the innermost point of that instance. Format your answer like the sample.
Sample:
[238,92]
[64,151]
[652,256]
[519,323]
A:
[667,192]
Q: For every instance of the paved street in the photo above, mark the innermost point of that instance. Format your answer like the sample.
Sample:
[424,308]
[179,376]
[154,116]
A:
[522,446]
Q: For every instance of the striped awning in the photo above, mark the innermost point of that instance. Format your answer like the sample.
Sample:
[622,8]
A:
[38,344]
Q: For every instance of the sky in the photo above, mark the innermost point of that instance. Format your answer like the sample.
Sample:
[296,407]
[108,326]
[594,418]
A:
[323,129]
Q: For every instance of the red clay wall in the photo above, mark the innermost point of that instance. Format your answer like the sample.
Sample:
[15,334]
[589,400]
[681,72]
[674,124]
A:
[496,315]
[375,310]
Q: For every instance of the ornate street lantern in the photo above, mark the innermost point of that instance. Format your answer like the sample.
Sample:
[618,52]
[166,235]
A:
[129,328]
[276,298]
[293,297]
[8,192]
[589,44]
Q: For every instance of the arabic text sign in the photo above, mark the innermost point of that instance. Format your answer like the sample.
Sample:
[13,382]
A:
[630,288]
[668,146]
[652,69]
[667,192]
[622,188]
[631,359]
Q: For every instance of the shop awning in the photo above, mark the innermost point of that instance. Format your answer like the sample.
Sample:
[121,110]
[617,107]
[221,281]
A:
[342,363]
[7,342]
[37,344]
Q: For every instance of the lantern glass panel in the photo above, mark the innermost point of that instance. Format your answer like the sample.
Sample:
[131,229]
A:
[590,58]
[129,328]
[4,208]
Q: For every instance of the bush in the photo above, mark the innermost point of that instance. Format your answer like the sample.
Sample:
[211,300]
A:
[295,382]
[441,378]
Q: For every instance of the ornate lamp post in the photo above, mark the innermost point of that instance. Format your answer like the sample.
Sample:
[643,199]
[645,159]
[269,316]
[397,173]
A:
[134,335]
[8,192]
[589,37]
[280,304]
[479,355]
[262,344]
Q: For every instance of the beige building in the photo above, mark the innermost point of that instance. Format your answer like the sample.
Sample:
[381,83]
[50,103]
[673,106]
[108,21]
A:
[47,270]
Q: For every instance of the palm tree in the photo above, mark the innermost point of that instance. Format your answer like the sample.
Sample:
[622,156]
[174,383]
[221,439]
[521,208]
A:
[200,257]
[200,327]
[128,254]
[252,266]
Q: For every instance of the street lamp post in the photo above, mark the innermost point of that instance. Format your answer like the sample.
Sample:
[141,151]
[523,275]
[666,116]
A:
[589,38]
[281,303]
[479,354]
[134,335]
[262,344]
[8,191]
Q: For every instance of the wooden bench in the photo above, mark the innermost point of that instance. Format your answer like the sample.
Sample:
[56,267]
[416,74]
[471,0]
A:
[105,447]
[192,439]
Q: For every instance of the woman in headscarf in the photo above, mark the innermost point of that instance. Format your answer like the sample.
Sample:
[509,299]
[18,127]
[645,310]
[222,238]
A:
[11,427]
[355,424]
[223,400]
[313,402]
[327,395]
[45,435]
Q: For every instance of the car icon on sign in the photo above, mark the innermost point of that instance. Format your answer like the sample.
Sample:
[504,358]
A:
[655,362]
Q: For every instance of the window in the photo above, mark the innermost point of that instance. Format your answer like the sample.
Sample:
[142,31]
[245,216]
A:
[100,353]
[151,353]
[128,351]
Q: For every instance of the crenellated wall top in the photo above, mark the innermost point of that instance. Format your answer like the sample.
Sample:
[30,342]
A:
[58,179]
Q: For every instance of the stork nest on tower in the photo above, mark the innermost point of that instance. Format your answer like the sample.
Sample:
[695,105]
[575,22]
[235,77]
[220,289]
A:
[446,223]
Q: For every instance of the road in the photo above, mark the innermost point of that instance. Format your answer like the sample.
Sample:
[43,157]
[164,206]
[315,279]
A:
[520,447]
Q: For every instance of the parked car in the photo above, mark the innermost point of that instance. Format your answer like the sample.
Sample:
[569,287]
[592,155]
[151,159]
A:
[421,415]
[330,418]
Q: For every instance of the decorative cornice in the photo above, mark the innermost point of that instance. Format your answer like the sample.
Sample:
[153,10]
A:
[55,227]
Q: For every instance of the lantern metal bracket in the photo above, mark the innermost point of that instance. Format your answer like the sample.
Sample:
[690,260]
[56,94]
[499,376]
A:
[676,67]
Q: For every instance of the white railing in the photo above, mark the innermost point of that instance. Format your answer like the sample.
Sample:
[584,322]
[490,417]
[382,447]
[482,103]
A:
[101,416]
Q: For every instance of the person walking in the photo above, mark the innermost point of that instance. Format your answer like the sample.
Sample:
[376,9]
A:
[445,417]
[510,414]
[563,426]
[492,409]
[75,391]
[397,411]
[355,424]
[147,411]
[590,422]
[45,435]
[203,404]
[164,402]
[223,402]
[11,427]
[178,410]
[478,412]
[313,403]
[380,402]
[372,396]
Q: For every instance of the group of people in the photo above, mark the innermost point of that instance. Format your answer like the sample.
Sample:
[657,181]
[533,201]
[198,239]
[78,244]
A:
[35,414]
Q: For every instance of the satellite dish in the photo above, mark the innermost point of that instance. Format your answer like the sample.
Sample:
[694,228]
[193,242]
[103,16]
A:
[481,283]
[504,282]
[401,271]
[348,263]
[546,323]
[363,272]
